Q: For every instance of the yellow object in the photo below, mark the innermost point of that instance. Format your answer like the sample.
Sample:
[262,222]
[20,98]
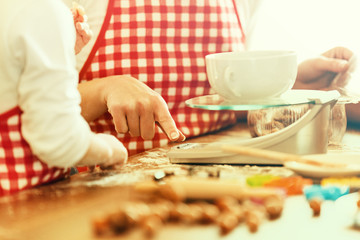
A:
[342,181]
[260,180]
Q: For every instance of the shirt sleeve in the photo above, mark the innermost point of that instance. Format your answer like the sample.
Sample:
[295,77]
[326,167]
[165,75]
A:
[44,48]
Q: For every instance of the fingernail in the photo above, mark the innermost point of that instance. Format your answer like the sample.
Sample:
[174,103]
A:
[342,63]
[174,135]
[80,26]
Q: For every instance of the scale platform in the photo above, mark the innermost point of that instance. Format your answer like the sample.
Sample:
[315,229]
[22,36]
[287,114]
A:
[307,135]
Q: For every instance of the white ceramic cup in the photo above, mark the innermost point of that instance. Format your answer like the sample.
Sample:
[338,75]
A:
[251,75]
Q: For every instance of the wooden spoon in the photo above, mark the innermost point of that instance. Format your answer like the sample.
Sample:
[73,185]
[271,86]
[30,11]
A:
[278,156]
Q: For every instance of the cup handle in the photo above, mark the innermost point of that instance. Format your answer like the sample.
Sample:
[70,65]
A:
[227,77]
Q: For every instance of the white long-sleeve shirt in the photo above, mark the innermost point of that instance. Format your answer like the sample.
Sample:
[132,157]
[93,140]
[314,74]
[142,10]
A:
[38,74]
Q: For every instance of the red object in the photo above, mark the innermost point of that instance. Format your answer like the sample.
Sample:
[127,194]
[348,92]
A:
[19,168]
[164,46]
[82,169]
[292,185]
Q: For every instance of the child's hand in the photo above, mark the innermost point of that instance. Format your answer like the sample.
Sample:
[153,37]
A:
[118,154]
[83,31]
[104,150]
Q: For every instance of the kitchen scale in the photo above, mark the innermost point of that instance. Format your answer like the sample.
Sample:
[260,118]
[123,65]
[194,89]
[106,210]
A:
[307,135]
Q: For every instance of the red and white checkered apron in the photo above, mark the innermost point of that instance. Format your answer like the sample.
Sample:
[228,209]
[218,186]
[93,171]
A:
[19,168]
[163,44]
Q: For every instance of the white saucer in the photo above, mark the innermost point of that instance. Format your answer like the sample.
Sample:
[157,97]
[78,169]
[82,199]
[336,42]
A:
[306,170]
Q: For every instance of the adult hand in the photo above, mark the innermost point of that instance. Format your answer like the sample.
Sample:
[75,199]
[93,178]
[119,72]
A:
[83,31]
[135,107]
[319,72]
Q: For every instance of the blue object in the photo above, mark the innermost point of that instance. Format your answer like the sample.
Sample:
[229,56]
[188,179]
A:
[325,192]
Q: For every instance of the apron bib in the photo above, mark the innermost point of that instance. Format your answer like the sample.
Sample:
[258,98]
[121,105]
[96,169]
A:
[19,168]
[164,45]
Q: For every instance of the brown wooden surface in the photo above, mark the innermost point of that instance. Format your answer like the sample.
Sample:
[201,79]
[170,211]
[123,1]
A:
[64,210]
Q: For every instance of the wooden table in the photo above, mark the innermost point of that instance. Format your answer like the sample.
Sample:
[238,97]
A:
[64,210]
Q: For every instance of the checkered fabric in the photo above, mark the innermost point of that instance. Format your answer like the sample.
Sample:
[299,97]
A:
[19,168]
[163,44]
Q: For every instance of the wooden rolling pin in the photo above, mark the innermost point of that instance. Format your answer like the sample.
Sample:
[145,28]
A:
[278,156]
[178,189]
